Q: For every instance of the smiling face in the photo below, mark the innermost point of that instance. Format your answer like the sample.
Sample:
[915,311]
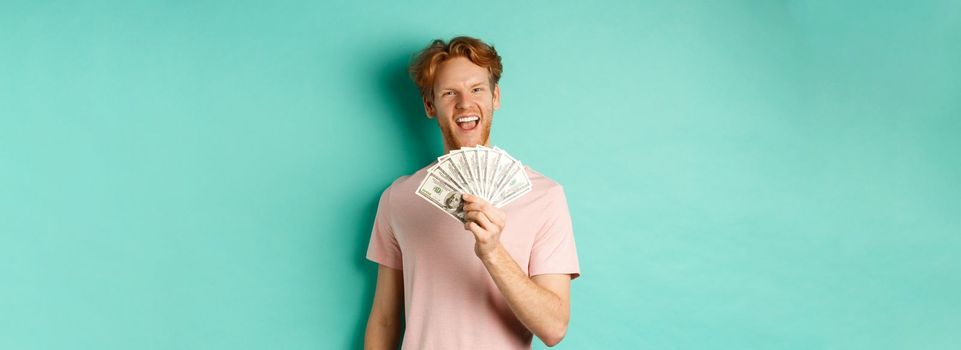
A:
[463,101]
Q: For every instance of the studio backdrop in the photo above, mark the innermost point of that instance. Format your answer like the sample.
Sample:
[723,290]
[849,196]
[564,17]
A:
[740,174]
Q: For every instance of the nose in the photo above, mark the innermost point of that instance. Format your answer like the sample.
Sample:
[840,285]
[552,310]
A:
[462,102]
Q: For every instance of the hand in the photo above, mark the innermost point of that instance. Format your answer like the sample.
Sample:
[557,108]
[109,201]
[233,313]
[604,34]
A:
[485,221]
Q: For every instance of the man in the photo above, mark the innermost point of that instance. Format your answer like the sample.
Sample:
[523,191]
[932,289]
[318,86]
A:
[493,281]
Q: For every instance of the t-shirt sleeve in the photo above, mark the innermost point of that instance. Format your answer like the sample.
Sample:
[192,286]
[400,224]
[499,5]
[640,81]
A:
[383,248]
[554,251]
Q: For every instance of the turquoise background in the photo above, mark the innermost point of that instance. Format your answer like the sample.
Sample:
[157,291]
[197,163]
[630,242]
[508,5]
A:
[741,174]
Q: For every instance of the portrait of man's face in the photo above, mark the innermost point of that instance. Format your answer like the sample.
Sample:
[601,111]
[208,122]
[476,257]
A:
[453,201]
[463,103]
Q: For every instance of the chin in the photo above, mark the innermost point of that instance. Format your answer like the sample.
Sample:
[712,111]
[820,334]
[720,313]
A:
[458,141]
[471,142]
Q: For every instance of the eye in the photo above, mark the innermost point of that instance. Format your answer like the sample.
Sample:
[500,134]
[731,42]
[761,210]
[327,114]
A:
[447,93]
[478,89]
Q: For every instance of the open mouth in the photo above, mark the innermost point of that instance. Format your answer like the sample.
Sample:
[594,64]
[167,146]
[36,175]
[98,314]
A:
[467,122]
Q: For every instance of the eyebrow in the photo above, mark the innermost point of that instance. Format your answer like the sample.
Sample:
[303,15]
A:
[471,85]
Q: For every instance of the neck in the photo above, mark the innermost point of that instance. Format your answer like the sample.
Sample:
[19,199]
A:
[448,148]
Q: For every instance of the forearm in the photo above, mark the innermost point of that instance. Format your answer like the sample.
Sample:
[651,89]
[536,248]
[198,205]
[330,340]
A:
[381,334]
[540,310]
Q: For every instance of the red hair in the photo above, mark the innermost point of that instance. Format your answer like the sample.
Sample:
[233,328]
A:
[424,67]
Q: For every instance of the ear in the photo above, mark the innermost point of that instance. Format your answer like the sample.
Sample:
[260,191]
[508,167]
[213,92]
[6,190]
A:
[497,96]
[429,107]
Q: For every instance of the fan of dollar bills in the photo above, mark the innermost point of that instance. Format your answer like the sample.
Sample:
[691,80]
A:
[489,173]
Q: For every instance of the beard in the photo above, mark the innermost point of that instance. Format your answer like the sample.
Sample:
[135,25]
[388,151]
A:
[453,143]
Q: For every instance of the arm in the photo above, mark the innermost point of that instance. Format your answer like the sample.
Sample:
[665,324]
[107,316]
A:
[383,325]
[542,302]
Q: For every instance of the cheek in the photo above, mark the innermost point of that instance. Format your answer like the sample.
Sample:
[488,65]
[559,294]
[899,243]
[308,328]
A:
[444,110]
[444,121]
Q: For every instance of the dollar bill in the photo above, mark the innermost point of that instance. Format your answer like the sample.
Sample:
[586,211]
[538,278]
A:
[489,173]
[442,195]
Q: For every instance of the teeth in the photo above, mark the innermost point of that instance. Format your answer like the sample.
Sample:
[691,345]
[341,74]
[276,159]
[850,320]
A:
[468,119]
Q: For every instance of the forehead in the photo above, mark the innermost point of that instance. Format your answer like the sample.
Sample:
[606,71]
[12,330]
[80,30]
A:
[459,71]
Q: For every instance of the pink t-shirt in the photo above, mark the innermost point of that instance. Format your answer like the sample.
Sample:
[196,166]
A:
[450,300]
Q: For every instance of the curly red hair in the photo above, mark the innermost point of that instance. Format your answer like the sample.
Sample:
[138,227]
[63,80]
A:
[424,67]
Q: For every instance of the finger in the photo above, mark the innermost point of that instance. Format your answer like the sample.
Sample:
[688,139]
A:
[478,203]
[474,228]
[467,197]
[474,206]
[481,219]
[495,215]
[470,216]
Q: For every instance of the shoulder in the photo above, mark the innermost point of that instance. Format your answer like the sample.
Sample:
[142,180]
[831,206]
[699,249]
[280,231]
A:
[405,184]
[542,183]
[544,189]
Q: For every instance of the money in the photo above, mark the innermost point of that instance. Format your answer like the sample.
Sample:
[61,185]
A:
[489,173]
